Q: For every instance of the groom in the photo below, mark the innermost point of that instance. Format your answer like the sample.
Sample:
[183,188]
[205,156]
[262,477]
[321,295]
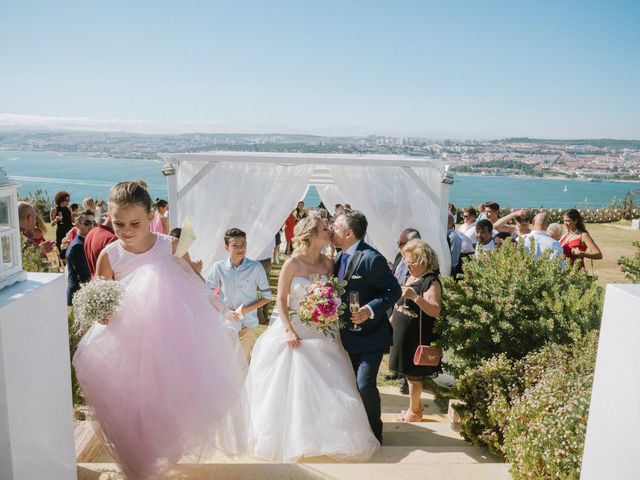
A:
[366,272]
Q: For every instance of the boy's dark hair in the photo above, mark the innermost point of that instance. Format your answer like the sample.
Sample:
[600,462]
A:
[73,206]
[484,224]
[232,233]
[176,232]
[492,206]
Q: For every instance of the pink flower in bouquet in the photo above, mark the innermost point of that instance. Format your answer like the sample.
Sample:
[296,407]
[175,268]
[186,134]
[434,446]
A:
[322,307]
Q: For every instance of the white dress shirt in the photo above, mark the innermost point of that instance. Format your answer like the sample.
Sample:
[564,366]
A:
[542,243]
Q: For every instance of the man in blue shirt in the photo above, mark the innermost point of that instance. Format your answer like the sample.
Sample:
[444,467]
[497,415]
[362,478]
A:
[242,286]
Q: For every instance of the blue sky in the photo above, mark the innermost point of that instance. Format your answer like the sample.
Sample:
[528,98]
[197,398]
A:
[472,69]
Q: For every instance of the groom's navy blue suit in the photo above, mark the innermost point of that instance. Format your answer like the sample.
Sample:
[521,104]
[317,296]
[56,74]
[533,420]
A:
[368,273]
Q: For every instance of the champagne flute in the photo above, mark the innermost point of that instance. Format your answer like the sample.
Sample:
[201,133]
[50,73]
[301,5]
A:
[354,306]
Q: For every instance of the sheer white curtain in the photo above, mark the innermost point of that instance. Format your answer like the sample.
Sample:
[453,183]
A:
[330,196]
[256,198]
[395,198]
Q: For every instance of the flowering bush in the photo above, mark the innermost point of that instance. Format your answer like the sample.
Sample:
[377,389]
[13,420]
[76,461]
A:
[322,307]
[631,266]
[97,300]
[490,390]
[545,431]
[507,302]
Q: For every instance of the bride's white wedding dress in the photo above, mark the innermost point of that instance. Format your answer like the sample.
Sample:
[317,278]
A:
[304,401]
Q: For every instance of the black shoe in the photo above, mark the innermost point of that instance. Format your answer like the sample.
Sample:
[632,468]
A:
[404,386]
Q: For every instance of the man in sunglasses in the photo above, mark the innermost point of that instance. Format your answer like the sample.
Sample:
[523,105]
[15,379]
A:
[77,266]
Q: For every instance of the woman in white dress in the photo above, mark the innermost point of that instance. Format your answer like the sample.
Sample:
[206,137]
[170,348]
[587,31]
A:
[303,396]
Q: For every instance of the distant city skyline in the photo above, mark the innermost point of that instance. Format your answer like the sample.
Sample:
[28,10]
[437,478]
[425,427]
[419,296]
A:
[458,69]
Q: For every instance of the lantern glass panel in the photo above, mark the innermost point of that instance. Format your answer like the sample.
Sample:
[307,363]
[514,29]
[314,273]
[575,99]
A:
[5,205]
[7,254]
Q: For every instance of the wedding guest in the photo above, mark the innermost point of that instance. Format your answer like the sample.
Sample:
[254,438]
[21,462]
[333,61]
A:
[160,223]
[77,267]
[500,238]
[100,209]
[540,241]
[577,243]
[276,250]
[74,212]
[289,225]
[401,271]
[555,231]
[454,239]
[420,302]
[453,211]
[492,213]
[301,212]
[95,241]
[39,230]
[399,267]
[89,203]
[521,217]
[484,233]
[481,212]
[467,232]
[60,217]
[27,219]
[265,260]
[239,280]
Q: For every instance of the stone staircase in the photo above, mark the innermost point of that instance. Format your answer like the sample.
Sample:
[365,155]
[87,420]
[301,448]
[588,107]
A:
[427,450]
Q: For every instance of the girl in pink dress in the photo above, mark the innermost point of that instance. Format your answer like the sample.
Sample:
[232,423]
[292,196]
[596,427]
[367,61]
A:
[159,222]
[162,375]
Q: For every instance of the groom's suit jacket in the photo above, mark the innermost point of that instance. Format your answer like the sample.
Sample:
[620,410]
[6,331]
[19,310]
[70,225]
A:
[368,273]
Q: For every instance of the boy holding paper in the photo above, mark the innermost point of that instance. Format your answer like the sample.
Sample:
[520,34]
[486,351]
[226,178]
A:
[243,287]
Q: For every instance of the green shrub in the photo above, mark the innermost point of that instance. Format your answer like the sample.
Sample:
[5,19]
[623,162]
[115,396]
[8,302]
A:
[75,335]
[631,266]
[545,431]
[32,259]
[506,302]
[490,390]
[40,200]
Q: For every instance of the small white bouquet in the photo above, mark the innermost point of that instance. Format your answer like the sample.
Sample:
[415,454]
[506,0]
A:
[97,300]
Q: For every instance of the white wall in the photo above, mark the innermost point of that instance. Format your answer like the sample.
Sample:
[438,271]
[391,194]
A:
[613,429]
[36,413]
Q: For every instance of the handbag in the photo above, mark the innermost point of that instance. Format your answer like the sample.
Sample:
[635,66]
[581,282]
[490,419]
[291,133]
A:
[426,355]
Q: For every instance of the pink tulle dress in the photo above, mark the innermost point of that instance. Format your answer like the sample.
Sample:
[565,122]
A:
[165,377]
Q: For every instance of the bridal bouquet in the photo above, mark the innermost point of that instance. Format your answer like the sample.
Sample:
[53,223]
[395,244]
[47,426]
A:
[97,300]
[321,307]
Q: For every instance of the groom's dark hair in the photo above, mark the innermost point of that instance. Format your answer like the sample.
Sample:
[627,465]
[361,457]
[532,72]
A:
[356,222]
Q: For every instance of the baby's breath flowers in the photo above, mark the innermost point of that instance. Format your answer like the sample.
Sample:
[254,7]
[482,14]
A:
[96,301]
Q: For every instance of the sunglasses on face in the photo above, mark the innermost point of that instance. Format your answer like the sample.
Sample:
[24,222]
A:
[88,223]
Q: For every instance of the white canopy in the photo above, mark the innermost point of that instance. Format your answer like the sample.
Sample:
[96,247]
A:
[256,192]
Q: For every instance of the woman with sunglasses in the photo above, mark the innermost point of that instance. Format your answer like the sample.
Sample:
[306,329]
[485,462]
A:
[77,266]
[420,302]
[522,218]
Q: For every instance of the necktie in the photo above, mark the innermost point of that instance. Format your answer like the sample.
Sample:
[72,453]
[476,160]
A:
[343,265]
[401,272]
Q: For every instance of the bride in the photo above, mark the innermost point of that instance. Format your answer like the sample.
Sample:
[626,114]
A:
[302,390]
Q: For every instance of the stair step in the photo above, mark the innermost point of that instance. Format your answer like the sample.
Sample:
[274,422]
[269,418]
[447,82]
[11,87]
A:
[304,471]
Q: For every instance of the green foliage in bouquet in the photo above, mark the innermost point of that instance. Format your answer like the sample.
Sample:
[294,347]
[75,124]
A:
[631,266]
[544,436]
[507,302]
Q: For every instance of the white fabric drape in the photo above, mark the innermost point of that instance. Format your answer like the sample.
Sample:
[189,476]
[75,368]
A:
[330,196]
[256,198]
[395,198]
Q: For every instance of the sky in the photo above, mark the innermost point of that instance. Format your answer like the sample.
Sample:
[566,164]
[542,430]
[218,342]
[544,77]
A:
[435,69]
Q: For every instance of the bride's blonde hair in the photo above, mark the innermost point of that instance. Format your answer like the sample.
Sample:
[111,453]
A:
[305,230]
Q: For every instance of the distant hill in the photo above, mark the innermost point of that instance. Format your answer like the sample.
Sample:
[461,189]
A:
[595,142]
